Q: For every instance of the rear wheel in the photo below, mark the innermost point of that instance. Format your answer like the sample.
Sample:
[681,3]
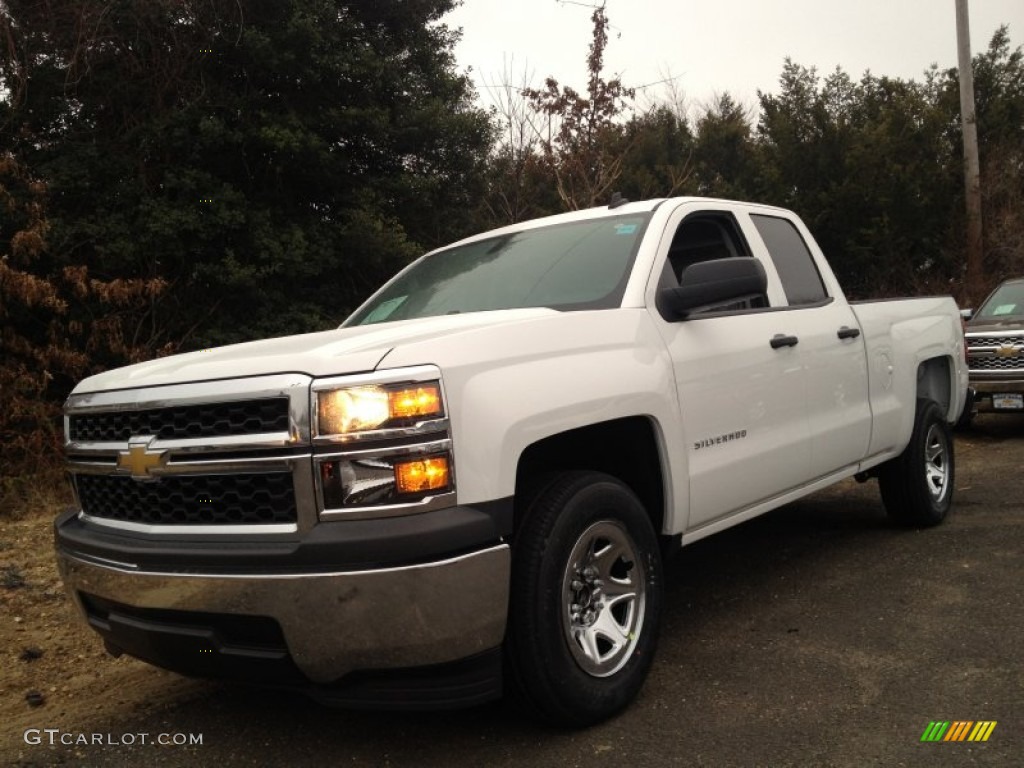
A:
[917,486]
[586,599]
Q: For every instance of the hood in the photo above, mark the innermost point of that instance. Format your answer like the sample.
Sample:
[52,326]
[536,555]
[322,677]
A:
[991,325]
[328,353]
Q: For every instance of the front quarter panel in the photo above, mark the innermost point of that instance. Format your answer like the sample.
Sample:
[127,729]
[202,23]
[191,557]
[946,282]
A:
[513,385]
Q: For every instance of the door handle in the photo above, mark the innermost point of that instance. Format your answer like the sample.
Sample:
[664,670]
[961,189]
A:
[848,333]
[782,340]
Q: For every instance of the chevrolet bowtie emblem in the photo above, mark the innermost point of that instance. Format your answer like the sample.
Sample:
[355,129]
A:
[139,460]
[1006,350]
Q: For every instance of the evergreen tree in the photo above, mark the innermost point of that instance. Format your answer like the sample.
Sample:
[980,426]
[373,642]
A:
[271,160]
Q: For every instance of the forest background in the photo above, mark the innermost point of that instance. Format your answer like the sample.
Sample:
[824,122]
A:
[178,174]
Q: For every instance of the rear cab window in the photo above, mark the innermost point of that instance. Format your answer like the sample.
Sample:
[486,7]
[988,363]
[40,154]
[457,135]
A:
[794,263]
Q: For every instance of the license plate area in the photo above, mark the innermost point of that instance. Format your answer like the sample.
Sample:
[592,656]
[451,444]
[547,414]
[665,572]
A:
[1008,402]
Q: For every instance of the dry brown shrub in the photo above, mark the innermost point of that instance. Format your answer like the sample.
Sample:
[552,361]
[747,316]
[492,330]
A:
[56,326]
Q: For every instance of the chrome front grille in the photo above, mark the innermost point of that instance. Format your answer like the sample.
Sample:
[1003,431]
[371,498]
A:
[995,341]
[245,499]
[996,352]
[979,363]
[246,417]
[213,457]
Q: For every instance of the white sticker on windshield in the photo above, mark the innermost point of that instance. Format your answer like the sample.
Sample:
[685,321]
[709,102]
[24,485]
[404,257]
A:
[1005,309]
[625,229]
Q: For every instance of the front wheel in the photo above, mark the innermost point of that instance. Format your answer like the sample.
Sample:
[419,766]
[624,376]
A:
[586,599]
[917,486]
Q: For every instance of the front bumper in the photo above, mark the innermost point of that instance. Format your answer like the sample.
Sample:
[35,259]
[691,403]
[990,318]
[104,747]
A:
[985,388]
[302,626]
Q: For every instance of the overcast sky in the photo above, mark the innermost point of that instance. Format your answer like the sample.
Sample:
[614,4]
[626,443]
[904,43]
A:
[711,46]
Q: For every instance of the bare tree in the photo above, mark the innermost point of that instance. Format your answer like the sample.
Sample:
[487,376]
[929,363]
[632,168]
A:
[577,131]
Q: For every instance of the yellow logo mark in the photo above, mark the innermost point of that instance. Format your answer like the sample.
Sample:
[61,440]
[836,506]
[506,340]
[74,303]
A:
[140,461]
[1006,350]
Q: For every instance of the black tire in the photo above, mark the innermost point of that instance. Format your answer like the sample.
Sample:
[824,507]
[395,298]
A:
[917,486]
[583,628]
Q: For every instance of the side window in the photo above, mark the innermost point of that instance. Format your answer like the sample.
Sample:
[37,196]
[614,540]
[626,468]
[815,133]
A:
[793,261]
[703,237]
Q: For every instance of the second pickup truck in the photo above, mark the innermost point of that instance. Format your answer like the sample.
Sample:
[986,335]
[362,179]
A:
[472,483]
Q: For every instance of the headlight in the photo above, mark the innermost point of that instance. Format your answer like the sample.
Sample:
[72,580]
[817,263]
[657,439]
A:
[381,444]
[358,409]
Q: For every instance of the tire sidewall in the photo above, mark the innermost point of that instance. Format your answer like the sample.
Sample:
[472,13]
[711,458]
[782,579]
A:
[548,661]
[926,508]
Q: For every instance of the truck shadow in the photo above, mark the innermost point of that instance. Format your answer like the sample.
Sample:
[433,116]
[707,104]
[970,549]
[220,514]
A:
[994,427]
[718,576]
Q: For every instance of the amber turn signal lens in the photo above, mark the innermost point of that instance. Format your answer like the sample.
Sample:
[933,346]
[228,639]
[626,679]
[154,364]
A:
[415,402]
[422,475]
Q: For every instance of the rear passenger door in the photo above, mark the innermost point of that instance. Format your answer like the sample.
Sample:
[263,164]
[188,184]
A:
[828,343]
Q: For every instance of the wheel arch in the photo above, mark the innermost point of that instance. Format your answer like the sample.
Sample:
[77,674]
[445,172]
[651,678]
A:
[935,382]
[629,449]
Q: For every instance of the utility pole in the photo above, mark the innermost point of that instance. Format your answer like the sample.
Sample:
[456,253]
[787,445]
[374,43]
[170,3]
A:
[972,167]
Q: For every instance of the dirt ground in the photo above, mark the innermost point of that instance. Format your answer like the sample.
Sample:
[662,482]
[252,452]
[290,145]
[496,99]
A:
[52,662]
[55,673]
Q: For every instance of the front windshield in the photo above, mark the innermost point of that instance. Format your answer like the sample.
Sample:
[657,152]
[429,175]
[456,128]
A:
[578,265]
[1007,300]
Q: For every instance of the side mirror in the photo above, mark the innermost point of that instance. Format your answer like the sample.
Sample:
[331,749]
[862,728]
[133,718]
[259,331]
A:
[966,314]
[708,284]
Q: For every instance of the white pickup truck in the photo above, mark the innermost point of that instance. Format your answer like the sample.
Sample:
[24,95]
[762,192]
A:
[472,483]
